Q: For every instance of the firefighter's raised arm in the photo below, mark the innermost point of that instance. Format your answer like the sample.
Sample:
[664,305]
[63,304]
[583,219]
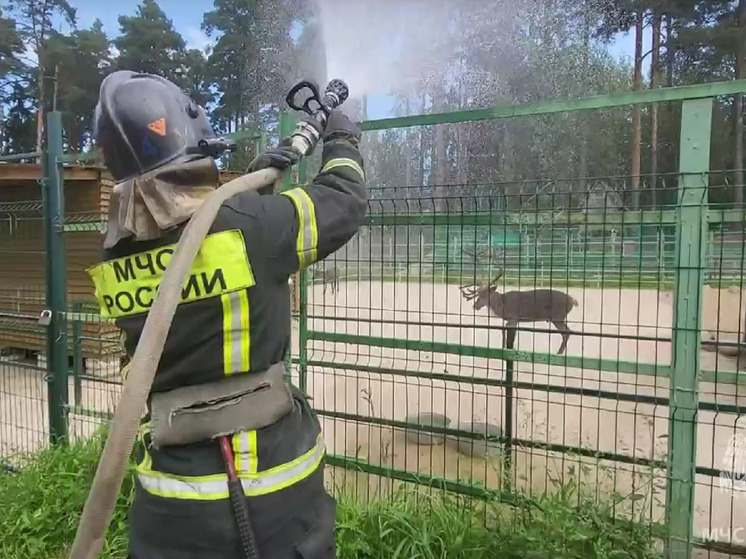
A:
[305,224]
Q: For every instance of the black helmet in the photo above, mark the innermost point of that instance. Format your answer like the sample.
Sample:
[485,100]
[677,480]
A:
[143,121]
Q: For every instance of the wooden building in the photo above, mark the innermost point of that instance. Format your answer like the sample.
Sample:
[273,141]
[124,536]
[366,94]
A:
[22,257]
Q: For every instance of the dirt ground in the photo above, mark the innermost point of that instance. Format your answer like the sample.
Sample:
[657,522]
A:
[637,429]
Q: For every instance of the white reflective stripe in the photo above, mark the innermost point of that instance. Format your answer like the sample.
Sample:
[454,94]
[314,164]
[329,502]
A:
[215,487]
[236,334]
[308,233]
[245,452]
[344,162]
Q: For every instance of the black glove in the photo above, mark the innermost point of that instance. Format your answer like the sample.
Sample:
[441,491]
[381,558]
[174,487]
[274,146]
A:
[339,126]
[282,157]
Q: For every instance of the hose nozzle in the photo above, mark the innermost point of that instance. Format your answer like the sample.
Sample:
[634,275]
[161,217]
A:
[336,93]
[305,137]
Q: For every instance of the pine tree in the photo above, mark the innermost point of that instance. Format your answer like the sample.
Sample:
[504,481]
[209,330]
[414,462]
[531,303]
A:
[34,24]
[76,92]
[149,43]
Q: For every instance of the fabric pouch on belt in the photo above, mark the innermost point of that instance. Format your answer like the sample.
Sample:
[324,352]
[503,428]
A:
[241,402]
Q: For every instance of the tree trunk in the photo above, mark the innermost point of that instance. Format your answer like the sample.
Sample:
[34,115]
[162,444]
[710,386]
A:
[40,101]
[422,147]
[407,148]
[654,82]
[583,159]
[668,153]
[740,74]
[636,115]
[439,153]
[440,171]
[669,51]
[462,176]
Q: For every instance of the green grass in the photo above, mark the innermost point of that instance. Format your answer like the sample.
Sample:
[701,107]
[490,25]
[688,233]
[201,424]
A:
[439,525]
[42,504]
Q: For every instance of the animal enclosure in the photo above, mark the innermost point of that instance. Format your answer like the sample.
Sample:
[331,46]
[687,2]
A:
[412,383]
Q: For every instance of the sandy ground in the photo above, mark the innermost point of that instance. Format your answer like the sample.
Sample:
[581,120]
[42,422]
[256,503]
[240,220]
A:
[24,418]
[635,429]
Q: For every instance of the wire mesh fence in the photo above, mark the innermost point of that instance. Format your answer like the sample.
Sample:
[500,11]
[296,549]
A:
[23,405]
[395,343]
[415,382]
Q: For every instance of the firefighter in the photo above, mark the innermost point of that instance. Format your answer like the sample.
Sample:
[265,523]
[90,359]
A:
[221,370]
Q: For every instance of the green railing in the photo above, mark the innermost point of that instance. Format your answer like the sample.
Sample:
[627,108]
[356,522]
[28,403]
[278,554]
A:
[672,253]
[625,409]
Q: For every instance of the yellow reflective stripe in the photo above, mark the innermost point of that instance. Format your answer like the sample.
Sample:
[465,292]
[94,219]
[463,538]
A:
[237,442]
[245,455]
[344,162]
[214,487]
[306,243]
[225,300]
[236,332]
[244,339]
[147,461]
[253,452]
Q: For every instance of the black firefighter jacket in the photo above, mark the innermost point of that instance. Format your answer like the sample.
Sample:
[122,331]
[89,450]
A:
[233,318]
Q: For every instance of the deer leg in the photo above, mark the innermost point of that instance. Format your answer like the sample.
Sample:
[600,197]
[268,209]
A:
[564,329]
[509,334]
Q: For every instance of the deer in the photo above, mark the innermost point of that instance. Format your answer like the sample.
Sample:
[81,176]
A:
[538,305]
[330,277]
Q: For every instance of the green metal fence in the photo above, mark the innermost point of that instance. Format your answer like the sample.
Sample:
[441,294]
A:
[413,385]
[640,408]
[23,412]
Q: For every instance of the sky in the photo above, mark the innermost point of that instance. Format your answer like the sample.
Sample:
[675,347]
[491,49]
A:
[187,19]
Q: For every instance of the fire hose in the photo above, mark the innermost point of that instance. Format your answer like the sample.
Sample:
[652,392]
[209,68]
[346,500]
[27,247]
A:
[107,482]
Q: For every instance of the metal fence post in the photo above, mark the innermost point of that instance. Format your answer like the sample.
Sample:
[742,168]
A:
[77,347]
[302,304]
[694,165]
[261,143]
[287,124]
[300,280]
[507,472]
[55,279]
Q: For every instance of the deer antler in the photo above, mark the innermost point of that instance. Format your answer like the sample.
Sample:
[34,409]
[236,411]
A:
[470,292]
[494,281]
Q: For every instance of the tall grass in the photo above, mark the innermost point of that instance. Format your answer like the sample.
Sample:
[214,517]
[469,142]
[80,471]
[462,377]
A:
[41,506]
[413,524]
